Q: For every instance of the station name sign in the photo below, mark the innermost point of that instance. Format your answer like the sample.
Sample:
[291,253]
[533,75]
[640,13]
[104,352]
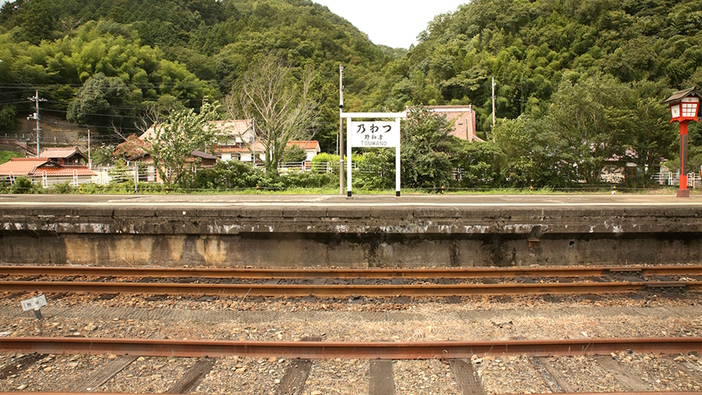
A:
[375,134]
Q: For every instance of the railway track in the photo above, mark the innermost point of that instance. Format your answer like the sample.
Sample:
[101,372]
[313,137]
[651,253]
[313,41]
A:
[357,350]
[548,393]
[281,282]
[333,291]
[255,273]
[379,356]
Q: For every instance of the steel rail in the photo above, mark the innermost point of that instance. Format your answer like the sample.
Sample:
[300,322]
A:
[324,290]
[545,393]
[256,273]
[548,393]
[355,350]
[600,393]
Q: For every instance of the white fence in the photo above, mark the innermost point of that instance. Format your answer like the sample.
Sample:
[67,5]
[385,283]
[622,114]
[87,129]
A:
[319,167]
[668,178]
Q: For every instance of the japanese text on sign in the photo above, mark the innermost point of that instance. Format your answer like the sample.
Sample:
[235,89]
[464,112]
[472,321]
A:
[375,134]
[34,303]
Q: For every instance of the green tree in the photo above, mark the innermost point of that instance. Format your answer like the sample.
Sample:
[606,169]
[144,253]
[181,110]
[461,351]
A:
[583,119]
[376,170]
[177,137]
[100,96]
[102,155]
[532,155]
[644,129]
[35,21]
[479,164]
[426,148]
[294,154]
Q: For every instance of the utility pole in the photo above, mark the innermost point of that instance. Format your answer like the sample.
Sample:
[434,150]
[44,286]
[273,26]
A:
[90,161]
[341,129]
[493,102]
[253,159]
[36,116]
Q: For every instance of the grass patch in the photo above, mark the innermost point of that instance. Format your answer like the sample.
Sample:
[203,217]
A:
[5,156]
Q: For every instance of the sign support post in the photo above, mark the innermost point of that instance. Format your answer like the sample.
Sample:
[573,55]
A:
[397,162]
[348,157]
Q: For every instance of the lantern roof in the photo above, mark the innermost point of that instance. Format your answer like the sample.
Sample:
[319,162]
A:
[679,95]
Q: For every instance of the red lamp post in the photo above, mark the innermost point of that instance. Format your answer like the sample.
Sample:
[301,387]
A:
[683,108]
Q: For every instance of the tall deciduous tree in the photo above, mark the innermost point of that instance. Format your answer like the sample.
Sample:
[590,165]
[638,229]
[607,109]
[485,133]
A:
[177,137]
[281,105]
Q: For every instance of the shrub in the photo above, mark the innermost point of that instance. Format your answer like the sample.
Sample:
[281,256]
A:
[24,185]
[308,179]
[63,188]
[229,175]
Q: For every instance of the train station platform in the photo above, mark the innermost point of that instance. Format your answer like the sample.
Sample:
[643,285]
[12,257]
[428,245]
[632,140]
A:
[361,231]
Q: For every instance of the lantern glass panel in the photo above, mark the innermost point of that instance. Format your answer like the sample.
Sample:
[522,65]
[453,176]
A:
[675,110]
[689,110]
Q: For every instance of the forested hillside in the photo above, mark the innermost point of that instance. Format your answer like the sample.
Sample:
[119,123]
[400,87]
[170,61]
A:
[577,82]
[585,79]
[102,63]
[530,46]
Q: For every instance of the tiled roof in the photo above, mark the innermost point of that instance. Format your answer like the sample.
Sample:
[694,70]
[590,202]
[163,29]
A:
[203,155]
[465,108]
[679,95]
[219,149]
[61,153]
[304,144]
[37,166]
[65,171]
[21,166]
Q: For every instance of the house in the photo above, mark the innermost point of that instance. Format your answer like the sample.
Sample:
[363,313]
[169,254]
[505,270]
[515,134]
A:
[234,138]
[464,120]
[46,171]
[197,159]
[65,156]
[237,141]
[241,152]
[136,149]
[311,147]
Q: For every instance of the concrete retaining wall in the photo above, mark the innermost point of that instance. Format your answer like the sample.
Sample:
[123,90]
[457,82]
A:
[350,237]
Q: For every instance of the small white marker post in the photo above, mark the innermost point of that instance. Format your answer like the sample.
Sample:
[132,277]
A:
[35,303]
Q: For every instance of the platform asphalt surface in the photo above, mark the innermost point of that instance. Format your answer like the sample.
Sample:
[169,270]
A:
[357,201]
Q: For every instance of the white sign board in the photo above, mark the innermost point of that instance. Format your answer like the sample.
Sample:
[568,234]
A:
[35,303]
[374,134]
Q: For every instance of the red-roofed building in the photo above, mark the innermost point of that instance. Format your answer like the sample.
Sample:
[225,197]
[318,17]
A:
[46,171]
[311,147]
[463,118]
[65,156]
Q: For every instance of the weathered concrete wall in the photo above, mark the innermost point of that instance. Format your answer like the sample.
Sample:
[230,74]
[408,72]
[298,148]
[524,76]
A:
[351,237]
